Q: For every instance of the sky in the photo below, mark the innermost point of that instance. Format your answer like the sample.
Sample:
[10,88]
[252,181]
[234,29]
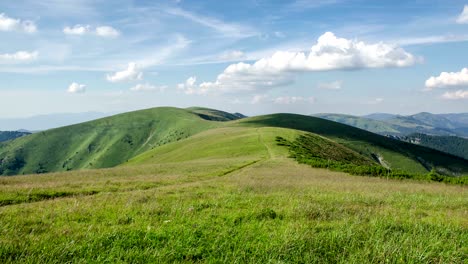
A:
[250,56]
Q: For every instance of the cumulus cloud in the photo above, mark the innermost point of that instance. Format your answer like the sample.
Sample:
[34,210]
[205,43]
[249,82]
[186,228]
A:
[329,53]
[336,85]
[293,100]
[132,73]
[190,87]
[106,31]
[448,79]
[76,88]
[11,24]
[102,31]
[77,30]
[146,87]
[460,94]
[19,57]
[463,17]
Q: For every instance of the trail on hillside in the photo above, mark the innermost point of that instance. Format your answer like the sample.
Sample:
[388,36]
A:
[260,139]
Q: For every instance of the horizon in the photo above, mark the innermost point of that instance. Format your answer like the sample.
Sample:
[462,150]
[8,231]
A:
[140,109]
[350,57]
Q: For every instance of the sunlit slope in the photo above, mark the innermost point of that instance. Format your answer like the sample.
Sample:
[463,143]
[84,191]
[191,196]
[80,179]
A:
[392,153]
[101,143]
[233,143]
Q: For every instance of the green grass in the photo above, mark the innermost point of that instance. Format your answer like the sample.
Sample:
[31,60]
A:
[260,207]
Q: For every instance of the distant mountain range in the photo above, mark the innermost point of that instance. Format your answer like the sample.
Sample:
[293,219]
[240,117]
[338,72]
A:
[9,135]
[398,125]
[44,122]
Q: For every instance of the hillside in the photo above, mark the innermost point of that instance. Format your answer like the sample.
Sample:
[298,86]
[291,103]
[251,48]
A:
[102,143]
[112,141]
[389,152]
[9,135]
[455,145]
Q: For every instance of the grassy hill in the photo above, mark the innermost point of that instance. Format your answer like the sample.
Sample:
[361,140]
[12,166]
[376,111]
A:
[389,152]
[135,136]
[102,143]
[232,195]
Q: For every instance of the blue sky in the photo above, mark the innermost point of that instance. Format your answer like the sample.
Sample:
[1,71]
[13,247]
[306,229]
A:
[249,56]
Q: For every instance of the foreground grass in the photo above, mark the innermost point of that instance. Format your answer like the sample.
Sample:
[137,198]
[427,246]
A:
[269,210]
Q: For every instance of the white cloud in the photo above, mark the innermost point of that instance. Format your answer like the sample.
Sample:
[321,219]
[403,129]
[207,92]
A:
[460,94]
[189,87]
[77,30]
[336,85]
[76,88]
[232,55]
[106,31]
[448,79]
[293,100]
[463,17]
[146,87]
[329,53]
[18,57]
[11,24]
[132,73]
[102,31]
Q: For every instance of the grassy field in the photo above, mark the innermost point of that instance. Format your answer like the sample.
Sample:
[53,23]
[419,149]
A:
[229,203]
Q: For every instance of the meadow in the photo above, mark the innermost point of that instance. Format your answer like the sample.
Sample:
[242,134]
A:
[253,205]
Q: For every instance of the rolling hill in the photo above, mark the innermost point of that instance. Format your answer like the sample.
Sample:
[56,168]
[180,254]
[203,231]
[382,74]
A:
[113,141]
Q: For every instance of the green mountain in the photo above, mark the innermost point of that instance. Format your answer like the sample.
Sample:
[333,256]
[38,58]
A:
[387,124]
[9,135]
[102,143]
[454,145]
[171,134]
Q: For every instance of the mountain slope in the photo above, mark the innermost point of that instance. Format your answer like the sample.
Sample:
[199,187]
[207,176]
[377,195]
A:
[397,125]
[374,126]
[143,136]
[101,143]
[455,145]
[394,153]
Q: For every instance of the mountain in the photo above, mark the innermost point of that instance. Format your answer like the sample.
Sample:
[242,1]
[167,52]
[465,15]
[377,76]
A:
[375,126]
[380,116]
[9,135]
[113,141]
[44,122]
[426,123]
[101,143]
[454,145]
